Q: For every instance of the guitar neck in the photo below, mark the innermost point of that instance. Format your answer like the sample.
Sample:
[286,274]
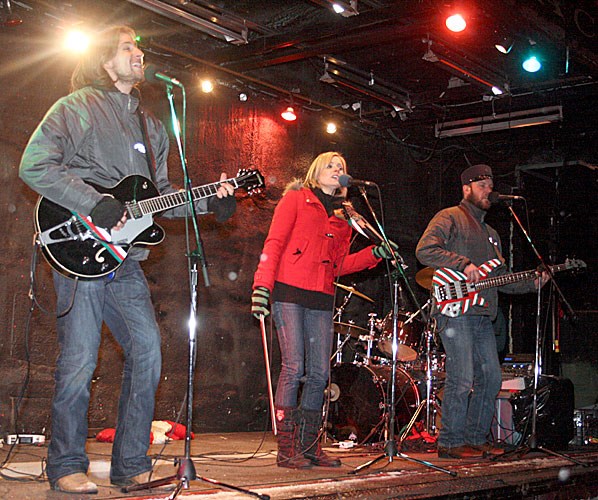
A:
[172,200]
[515,277]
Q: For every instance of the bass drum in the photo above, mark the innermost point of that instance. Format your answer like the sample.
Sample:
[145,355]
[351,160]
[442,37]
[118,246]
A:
[357,395]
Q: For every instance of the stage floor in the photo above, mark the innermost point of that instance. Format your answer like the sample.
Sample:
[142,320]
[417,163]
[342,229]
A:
[248,461]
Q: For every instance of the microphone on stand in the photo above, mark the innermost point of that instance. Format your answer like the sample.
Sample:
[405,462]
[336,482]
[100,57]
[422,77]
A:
[346,181]
[152,75]
[495,197]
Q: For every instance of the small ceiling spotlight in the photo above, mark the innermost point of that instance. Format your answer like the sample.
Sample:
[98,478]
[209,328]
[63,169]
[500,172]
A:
[505,44]
[243,97]
[532,63]
[289,114]
[331,128]
[456,23]
[344,8]
[206,86]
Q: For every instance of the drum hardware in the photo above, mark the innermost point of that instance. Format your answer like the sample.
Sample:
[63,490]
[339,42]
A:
[390,449]
[390,446]
[371,337]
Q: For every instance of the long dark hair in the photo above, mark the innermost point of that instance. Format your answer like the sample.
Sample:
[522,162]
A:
[90,69]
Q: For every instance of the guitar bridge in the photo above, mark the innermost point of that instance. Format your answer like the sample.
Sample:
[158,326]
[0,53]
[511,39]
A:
[69,230]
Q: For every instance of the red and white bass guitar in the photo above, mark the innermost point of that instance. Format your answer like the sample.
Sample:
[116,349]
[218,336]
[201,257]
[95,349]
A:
[455,294]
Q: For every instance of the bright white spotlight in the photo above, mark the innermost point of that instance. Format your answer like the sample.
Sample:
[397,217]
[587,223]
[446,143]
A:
[496,91]
[289,114]
[206,86]
[338,8]
[532,64]
[456,23]
[76,41]
[331,128]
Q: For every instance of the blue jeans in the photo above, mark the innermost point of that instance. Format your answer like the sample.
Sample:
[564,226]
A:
[473,379]
[123,302]
[305,340]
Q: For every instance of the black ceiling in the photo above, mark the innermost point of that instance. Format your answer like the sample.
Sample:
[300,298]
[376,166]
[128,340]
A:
[376,57]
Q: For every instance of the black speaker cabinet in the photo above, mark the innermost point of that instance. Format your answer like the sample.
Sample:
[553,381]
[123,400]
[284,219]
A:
[555,426]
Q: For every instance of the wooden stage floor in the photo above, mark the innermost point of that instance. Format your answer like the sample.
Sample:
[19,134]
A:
[247,460]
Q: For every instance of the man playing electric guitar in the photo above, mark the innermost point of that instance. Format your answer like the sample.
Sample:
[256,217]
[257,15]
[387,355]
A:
[457,238]
[99,135]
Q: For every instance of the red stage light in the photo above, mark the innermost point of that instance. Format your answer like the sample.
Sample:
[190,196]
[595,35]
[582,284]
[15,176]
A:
[456,23]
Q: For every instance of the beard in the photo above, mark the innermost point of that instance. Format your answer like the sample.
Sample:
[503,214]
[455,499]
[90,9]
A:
[481,203]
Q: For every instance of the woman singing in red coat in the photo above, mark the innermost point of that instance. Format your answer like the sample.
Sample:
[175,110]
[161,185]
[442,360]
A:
[306,249]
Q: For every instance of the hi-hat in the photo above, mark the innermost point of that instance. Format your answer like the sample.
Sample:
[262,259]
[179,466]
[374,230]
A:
[349,329]
[424,276]
[353,291]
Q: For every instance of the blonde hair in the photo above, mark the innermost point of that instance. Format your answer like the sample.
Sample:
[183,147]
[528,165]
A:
[321,162]
[90,69]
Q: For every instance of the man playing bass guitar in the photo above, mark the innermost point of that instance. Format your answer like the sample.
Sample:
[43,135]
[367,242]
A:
[457,238]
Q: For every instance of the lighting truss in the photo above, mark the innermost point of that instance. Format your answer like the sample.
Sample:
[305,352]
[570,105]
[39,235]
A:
[465,66]
[338,72]
[214,23]
[515,119]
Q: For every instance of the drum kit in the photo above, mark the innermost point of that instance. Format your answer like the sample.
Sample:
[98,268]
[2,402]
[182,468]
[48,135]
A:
[360,380]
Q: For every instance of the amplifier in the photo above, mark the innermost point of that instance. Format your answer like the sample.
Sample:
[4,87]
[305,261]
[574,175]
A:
[518,365]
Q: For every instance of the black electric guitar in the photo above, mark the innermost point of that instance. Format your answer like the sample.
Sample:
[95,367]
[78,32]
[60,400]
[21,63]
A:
[454,293]
[75,247]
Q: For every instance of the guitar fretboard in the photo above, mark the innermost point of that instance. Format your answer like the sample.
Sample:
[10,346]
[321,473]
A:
[167,201]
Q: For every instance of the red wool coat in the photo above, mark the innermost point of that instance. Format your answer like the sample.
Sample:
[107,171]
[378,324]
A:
[307,249]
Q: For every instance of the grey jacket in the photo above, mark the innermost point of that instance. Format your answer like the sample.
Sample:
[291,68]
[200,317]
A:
[95,135]
[458,236]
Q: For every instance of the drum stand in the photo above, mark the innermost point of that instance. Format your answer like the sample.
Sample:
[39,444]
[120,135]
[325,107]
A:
[428,401]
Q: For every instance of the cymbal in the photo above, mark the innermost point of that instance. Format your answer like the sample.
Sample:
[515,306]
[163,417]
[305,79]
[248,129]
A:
[353,291]
[349,329]
[424,276]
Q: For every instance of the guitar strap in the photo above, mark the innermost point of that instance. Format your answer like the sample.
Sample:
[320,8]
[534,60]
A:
[150,158]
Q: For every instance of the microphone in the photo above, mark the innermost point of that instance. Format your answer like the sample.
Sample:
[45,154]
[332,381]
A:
[495,197]
[346,181]
[152,75]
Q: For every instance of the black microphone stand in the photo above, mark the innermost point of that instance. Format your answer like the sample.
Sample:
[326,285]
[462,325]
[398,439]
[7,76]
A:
[390,447]
[186,471]
[532,441]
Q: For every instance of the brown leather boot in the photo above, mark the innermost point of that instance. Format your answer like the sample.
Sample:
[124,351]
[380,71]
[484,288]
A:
[75,483]
[309,433]
[287,437]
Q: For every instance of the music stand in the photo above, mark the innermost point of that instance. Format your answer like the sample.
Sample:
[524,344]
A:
[532,441]
[186,471]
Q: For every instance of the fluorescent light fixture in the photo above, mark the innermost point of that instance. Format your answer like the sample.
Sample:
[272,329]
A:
[205,25]
[516,119]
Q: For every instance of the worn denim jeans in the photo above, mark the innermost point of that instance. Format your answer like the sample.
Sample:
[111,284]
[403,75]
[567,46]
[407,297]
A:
[122,300]
[305,340]
[471,363]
